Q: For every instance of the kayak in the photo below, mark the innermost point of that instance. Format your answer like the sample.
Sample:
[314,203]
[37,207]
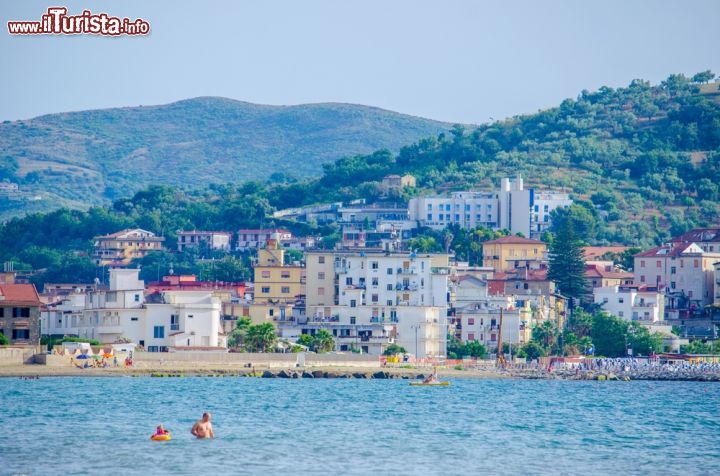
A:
[436,384]
[160,437]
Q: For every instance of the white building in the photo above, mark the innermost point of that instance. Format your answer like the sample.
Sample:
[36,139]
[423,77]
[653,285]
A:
[480,321]
[254,238]
[636,303]
[716,299]
[64,317]
[403,290]
[212,240]
[513,207]
[157,322]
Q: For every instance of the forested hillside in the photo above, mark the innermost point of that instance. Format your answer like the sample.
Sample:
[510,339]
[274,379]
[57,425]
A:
[642,163]
[79,159]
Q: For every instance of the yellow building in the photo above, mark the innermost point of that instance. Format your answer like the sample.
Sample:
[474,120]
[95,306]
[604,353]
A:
[511,252]
[276,282]
[120,248]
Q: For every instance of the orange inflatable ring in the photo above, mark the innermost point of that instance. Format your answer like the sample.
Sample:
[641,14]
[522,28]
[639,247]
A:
[165,437]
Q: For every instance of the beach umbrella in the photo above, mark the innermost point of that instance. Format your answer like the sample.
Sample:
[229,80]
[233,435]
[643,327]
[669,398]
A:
[82,356]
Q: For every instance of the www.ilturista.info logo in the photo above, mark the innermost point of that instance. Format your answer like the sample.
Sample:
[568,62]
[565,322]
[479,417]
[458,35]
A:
[58,22]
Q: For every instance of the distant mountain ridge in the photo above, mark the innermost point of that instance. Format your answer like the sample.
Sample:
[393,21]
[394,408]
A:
[90,157]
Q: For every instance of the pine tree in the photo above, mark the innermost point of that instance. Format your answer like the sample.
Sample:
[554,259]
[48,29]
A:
[567,262]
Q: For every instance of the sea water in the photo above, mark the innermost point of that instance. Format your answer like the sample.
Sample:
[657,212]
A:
[102,426]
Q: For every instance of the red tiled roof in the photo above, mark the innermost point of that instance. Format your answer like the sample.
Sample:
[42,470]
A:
[699,235]
[203,232]
[674,249]
[19,294]
[496,286]
[516,240]
[593,252]
[263,230]
[598,272]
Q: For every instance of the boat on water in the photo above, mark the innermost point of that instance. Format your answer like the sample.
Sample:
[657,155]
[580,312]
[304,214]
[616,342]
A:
[430,384]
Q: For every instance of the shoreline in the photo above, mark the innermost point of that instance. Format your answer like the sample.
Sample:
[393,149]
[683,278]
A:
[32,371]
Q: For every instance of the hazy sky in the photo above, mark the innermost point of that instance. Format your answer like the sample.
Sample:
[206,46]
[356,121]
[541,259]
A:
[453,60]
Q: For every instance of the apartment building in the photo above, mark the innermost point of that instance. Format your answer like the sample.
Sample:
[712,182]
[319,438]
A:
[513,207]
[481,321]
[514,252]
[686,272]
[118,249]
[205,240]
[20,313]
[405,291]
[632,302]
[156,321]
[276,282]
[254,238]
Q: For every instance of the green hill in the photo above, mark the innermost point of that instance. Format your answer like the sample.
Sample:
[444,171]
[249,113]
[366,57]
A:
[81,158]
[642,164]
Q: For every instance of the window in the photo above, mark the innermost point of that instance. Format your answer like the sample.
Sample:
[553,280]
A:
[285,289]
[621,314]
[21,334]
[159,332]
[642,278]
[672,284]
[389,271]
[429,206]
[690,294]
[696,263]
[286,275]
[133,318]
[526,286]
[353,303]
[374,298]
[374,264]
[467,208]
[265,274]
[389,287]
[21,312]
[137,298]
[447,216]
[321,275]
[174,322]
[321,260]
[321,291]
[605,300]
[471,336]
[457,217]
[673,270]
[658,264]
[375,281]
[471,321]
[389,302]
[352,320]
[265,289]
[348,281]
[447,208]
[642,263]
[621,300]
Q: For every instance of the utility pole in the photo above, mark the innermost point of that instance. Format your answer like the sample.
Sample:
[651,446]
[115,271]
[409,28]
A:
[500,354]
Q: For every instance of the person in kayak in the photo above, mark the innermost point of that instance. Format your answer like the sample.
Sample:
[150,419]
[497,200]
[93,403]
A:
[433,377]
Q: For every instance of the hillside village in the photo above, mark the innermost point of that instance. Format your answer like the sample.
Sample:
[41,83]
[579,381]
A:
[375,292]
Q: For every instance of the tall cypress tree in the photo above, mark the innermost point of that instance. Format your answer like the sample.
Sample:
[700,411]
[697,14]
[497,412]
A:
[567,262]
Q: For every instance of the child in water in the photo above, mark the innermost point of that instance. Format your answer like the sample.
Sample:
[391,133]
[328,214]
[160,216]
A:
[161,431]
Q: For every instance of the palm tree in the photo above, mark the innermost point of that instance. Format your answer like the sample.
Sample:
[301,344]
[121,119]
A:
[260,337]
[239,334]
[323,341]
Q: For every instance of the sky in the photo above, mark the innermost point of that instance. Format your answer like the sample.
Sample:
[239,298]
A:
[452,60]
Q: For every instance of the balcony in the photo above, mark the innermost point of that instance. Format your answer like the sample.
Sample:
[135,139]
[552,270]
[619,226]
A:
[407,271]
[174,327]
[335,318]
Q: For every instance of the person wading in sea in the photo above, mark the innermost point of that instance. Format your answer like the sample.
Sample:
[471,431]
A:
[203,428]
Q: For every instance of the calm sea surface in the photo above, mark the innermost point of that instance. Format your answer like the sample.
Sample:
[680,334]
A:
[101,426]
